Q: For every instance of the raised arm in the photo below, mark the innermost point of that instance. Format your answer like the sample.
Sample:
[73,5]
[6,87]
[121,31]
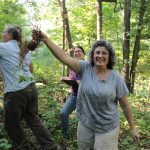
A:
[71,62]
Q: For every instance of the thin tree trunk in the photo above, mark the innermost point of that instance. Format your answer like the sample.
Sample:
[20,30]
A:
[64,32]
[136,48]
[126,44]
[67,40]
[100,17]
[99,20]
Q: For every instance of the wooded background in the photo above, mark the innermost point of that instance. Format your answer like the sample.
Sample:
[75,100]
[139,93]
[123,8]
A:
[125,23]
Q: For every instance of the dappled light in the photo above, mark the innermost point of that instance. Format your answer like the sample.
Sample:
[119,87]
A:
[81,22]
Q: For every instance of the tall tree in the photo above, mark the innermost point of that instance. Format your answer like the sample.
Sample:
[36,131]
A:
[136,48]
[99,20]
[130,72]
[66,27]
[126,44]
[66,30]
[100,17]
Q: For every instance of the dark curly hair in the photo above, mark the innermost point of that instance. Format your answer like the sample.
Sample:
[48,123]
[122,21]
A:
[108,46]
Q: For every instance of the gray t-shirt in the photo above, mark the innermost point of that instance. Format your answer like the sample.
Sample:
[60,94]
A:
[15,77]
[97,101]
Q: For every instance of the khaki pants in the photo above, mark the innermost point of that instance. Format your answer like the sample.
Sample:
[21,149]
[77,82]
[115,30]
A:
[88,138]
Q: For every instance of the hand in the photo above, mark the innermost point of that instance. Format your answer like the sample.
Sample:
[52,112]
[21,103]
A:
[135,135]
[43,36]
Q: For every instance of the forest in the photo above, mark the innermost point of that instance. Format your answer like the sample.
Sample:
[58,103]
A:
[124,23]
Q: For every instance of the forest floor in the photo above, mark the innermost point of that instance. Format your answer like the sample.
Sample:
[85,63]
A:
[54,127]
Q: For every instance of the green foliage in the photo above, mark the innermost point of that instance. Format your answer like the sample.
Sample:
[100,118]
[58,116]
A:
[4,143]
[48,70]
[11,13]
[46,66]
[140,109]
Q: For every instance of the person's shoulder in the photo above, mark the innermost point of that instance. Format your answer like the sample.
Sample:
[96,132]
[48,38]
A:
[3,47]
[2,44]
[117,75]
[84,62]
[115,72]
[5,44]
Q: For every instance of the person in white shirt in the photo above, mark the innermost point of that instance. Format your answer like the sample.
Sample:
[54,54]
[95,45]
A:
[20,93]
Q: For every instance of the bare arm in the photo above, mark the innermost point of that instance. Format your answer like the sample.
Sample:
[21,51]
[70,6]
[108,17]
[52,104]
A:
[72,63]
[128,114]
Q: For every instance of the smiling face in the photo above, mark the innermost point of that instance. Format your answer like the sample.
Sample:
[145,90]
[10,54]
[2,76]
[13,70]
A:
[107,54]
[78,53]
[101,57]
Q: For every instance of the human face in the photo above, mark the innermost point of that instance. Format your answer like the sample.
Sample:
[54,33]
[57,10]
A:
[6,36]
[101,57]
[78,54]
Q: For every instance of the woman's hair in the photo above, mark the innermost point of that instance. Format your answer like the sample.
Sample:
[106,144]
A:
[108,46]
[16,34]
[80,48]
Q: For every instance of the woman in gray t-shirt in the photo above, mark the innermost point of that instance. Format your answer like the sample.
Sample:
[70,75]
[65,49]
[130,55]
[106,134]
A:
[100,91]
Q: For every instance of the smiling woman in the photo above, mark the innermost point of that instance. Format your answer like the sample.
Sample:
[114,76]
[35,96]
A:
[97,98]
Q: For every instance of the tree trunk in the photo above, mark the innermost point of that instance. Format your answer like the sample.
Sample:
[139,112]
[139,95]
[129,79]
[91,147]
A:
[99,20]
[126,44]
[67,40]
[136,48]
[100,17]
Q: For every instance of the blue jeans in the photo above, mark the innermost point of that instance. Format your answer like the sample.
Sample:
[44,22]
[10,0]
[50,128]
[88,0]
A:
[67,109]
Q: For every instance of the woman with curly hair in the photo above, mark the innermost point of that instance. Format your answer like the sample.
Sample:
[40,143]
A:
[100,90]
